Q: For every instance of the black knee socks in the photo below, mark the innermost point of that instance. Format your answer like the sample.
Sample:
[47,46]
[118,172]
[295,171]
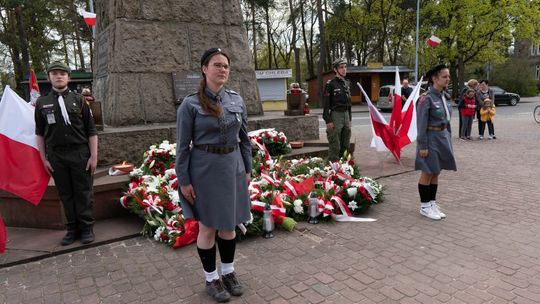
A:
[208,258]
[425,193]
[226,249]
[433,191]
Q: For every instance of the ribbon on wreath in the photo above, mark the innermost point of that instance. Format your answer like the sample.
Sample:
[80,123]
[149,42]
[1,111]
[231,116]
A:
[276,210]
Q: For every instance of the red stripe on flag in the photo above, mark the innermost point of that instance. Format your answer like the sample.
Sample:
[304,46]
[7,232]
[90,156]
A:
[22,171]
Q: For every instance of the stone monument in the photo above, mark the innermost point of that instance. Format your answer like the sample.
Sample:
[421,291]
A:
[147,56]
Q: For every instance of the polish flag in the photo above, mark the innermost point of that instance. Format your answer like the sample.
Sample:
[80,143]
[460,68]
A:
[22,171]
[89,18]
[409,132]
[434,41]
[395,119]
[34,88]
[382,135]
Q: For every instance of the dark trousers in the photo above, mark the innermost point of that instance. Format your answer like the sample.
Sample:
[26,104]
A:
[74,184]
[466,126]
[482,127]
[479,122]
[460,122]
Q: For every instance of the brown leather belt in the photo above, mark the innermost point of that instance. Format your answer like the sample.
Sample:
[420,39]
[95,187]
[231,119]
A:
[217,149]
[437,128]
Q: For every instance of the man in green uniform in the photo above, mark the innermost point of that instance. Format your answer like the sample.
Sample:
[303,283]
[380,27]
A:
[337,111]
[67,141]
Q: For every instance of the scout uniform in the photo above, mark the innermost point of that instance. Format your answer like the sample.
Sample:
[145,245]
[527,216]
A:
[337,110]
[68,152]
[434,133]
[217,162]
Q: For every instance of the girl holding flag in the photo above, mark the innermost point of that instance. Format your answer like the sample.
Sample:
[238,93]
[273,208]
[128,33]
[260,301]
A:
[434,142]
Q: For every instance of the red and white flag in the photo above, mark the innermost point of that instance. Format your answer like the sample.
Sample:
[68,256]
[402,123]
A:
[401,130]
[34,88]
[408,131]
[382,136]
[21,169]
[434,41]
[89,18]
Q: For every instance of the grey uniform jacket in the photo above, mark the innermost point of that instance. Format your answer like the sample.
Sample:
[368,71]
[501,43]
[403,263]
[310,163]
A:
[430,112]
[219,180]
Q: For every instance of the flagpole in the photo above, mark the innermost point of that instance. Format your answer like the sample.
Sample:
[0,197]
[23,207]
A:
[94,27]
[417,30]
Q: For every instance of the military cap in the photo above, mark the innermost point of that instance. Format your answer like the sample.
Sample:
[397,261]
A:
[211,52]
[57,65]
[338,62]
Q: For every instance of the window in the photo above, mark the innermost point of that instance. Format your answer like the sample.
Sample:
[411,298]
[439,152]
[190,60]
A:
[532,50]
[537,74]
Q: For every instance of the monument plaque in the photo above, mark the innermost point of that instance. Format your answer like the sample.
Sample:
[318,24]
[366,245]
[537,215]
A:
[185,83]
[102,54]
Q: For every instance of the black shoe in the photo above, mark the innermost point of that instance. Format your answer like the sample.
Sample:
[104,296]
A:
[232,285]
[216,290]
[87,236]
[69,238]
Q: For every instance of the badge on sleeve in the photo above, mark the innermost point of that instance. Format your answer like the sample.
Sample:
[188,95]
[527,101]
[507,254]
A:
[50,118]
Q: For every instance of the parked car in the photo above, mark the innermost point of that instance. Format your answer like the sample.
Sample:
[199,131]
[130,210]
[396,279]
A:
[384,102]
[386,95]
[503,97]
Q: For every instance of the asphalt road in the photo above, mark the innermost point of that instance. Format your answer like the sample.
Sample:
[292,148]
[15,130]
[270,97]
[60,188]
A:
[524,107]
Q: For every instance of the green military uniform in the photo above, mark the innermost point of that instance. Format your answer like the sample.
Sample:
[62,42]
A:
[68,152]
[337,110]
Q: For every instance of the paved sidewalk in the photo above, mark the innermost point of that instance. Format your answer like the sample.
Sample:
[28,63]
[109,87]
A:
[486,251]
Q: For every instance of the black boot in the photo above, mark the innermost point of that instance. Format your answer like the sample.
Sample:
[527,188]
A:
[87,235]
[70,237]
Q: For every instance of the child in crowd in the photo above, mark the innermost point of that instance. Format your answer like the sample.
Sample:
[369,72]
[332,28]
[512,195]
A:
[487,113]
[467,113]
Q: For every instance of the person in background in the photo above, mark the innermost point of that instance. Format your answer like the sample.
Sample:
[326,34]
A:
[406,91]
[88,96]
[487,113]
[467,113]
[295,88]
[471,84]
[67,141]
[213,166]
[483,93]
[434,142]
[337,111]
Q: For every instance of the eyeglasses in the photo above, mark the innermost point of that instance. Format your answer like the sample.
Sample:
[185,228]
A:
[219,66]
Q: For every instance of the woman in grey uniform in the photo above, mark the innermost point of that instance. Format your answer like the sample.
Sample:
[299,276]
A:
[434,142]
[213,165]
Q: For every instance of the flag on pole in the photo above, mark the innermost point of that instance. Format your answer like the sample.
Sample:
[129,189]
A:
[401,130]
[89,18]
[21,166]
[434,41]
[34,88]
[382,136]
[409,131]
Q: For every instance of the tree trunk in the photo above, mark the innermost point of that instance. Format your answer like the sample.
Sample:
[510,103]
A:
[293,43]
[254,29]
[322,55]
[75,19]
[268,35]
[23,41]
[461,75]
[309,57]
[15,53]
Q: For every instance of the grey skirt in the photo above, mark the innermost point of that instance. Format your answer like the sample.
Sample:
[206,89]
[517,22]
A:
[221,190]
[440,153]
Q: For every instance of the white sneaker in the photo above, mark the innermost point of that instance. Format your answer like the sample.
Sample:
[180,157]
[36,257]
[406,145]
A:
[436,208]
[429,212]
[480,137]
